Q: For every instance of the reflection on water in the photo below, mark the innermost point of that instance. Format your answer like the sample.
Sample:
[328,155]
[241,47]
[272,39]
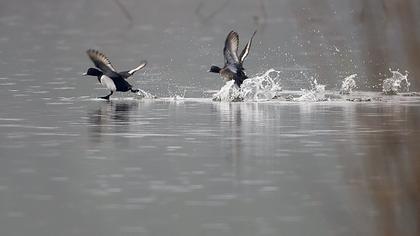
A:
[110,115]
[231,115]
[377,155]
[152,166]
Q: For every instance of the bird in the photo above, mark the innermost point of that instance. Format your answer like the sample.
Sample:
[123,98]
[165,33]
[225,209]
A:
[233,68]
[108,76]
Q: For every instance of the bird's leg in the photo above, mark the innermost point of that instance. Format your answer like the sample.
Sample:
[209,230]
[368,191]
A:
[107,96]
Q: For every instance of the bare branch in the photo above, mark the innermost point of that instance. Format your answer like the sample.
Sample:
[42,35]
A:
[204,19]
[124,10]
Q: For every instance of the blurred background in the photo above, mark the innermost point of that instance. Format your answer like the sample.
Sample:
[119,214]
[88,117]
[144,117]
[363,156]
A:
[324,39]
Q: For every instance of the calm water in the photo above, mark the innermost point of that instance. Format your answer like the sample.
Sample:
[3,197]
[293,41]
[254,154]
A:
[162,167]
[74,165]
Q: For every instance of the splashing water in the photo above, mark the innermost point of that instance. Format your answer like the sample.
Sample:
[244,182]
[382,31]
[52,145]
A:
[178,97]
[316,94]
[143,94]
[263,87]
[230,92]
[348,85]
[259,88]
[392,86]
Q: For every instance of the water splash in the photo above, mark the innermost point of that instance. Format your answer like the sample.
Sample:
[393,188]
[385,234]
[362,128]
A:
[230,92]
[316,94]
[178,97]
[391,86]
[263,87]
[259,88]
[348,85]
[143,94]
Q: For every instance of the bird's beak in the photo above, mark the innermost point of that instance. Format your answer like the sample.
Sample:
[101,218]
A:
[84,74]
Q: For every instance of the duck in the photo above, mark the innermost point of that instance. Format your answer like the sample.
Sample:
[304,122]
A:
[233,68]
[108,76]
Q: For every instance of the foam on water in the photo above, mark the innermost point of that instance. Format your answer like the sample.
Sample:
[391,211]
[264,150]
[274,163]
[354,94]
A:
[259,88]
[316,94]
[392,86]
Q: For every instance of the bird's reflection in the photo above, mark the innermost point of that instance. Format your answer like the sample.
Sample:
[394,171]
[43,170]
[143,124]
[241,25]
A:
[231,118]
[110,117]
[238,121]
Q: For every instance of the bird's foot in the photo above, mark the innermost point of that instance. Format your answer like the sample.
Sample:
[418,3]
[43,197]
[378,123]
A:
[105,97]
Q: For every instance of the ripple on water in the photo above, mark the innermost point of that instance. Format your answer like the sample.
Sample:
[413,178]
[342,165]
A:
[102,158]
[133,229]
[57,82]
[22,75]
[103,192]
[255,182]
[40,92]
[173,148]
[7,84]
[269,189]
[146,200]
[59,179]
[216,226]
[175,188]
[11,119]
[205,203]
[223,197]
[64,88]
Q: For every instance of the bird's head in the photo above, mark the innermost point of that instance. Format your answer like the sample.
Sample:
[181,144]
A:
[215,69]
[93,72]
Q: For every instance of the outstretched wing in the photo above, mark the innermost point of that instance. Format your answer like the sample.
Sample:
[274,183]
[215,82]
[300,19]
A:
[100,60]
[245,52]
[129,73]
[230,50]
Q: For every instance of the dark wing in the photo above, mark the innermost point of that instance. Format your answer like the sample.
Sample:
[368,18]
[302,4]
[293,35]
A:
[100,61]
[245,52]
[230,51]
[127,74]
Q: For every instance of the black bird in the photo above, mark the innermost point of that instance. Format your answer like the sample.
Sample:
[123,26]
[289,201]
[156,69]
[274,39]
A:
[233,69]
[108,76]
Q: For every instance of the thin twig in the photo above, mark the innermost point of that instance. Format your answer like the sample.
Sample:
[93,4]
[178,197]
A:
[204,19]
[261,21]
[124,11]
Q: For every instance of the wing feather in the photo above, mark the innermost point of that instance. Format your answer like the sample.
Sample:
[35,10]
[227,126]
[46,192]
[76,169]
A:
[245,51]
[127,74]
[100,60]
[230,50]
[141,66]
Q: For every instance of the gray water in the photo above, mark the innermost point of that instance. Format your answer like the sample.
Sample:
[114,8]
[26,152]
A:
[182,164]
